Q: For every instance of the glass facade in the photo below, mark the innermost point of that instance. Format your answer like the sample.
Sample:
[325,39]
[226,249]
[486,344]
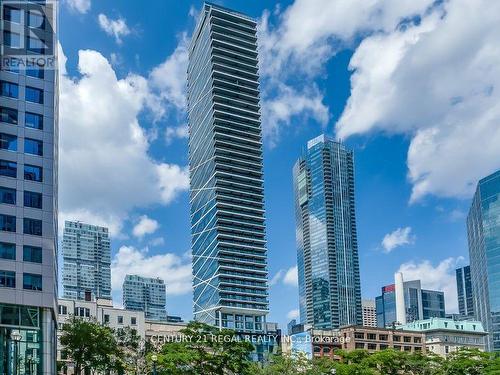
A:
[327,248]
[145,294]
[483,228]
[464,291]
[226,174]
[87,261]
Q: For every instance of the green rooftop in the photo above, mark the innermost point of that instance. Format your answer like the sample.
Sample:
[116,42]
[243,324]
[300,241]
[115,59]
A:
[444,324]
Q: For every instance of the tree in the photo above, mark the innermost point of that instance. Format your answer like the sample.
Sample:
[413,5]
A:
[467,361]
[91,346]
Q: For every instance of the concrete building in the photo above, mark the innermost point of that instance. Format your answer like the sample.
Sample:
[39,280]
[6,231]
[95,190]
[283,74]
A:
[145,294]
[369,313]
[86,262]
[444,336]
[483,229]
[28,187]
[327,248]
[464,291]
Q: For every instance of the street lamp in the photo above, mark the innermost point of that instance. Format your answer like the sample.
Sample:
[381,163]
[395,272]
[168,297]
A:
[16,337]
[154,358]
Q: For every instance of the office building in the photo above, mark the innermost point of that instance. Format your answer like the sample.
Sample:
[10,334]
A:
[445,336]
[369,313]
[327,248]
[483,228]
[145,294]
[464,292]
[226,173]
[86,262]
[28,188]
[406,301]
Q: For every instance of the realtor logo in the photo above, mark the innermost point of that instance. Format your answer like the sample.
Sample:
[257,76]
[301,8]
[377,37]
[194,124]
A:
[28,34]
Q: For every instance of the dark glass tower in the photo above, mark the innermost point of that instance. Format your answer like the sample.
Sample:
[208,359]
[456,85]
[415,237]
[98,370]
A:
[327,247]
[464,291]
[483,228]
[226,174]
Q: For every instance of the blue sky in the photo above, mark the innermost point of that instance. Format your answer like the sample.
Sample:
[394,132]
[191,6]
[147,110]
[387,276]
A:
[383,77]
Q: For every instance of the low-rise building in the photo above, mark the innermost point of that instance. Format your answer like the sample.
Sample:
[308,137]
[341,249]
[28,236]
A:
[444,336]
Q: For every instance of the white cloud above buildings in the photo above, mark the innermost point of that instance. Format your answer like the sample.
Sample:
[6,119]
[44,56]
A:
[79,6]
[397,238]
[116,28]
[145,226]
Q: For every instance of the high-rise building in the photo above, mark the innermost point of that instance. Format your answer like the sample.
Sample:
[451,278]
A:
[145,294]
[464,291]
[226,174]
[327,247]
[483,228]
[369,313]
[28,188]
[405,301]
[86,262]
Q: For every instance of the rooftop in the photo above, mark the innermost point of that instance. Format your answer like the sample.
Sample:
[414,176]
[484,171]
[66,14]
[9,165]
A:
[444,324]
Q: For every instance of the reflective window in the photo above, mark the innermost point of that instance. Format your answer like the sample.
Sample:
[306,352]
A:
[32,281]
[33,146]
[12,14]
[12,39]
[7,195]
[9,89]
[34,95]
[36,19]
[35,72]
[32,254]
[35,45]
[8,168]
[32,226]
[33,173]
[8,223]
[7,250]
[33,120]
[8,142]
[7,279]
[32,199]
[8,115]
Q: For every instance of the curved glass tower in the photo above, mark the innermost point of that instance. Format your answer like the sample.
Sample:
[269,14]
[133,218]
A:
[226,176]
[327,248]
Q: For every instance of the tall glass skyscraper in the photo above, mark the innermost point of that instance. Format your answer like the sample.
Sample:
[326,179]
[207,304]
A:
[225,161]
[28,188]
[86,261]
[327,247]
[145,294]
[483,228]
[464,291]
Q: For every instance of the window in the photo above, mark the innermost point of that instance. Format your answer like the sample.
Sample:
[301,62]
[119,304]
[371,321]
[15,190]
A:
[8,142]
[33,146]
[32,173]
[417,340]
[7,279]
[372,346]
[8,115]
[407,339]
[35,45]
[372,336]
[106,318]
[397,338]
[359,335]
[63,310]
[407,348]
[32,226]
[11,39]
[34,95]
[33,120]
[32,199]
[9,89]
[8,168]
[7,250]
[36,19]
[32,254]
[35,72]
[133,320]
[383,337]
[7,195]
[359,345]
[383,346]
[12,14]
[32,281]
[8,223]
[120,319]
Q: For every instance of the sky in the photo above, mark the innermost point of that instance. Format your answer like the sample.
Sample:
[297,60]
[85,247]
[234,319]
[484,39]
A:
[409,86]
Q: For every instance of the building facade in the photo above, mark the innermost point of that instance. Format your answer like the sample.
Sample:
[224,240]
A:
[327,248]
[145,294]
[406,301]
[86,262]
[444,336]
[28,189]
[226,173]
[369,313]
[483,229]
[464,291]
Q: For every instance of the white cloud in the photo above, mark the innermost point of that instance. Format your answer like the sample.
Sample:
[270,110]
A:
[105,170]
[80,6]
[177,132]
[291,277]
[144,226]
[440,277]
[293,314]
[276,278]
[116,28]
[158,241]
[436,81]
[399,237]
[174,270]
